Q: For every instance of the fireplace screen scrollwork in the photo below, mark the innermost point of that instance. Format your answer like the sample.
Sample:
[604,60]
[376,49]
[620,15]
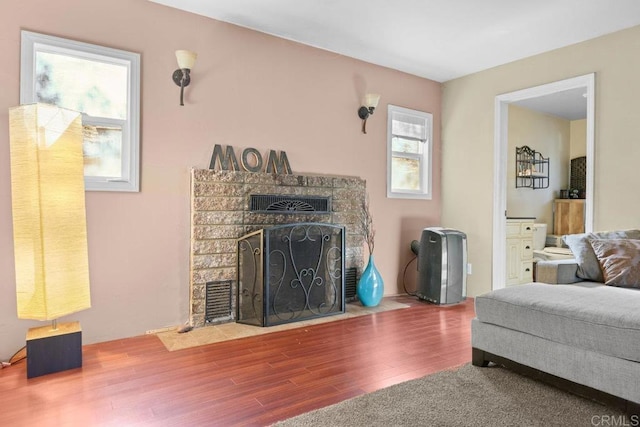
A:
[290,273]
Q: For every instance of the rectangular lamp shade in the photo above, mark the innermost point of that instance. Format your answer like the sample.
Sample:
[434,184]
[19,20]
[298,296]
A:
[49,220]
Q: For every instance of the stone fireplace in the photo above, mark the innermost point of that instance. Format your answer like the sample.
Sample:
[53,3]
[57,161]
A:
[223,210]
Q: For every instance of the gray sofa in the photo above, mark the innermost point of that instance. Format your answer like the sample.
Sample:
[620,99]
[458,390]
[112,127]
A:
[584,333]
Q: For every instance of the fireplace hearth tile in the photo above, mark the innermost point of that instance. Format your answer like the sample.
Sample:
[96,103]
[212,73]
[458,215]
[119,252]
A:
[211,334]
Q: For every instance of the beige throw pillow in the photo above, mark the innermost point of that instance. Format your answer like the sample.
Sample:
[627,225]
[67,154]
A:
[588,266]
[619,260]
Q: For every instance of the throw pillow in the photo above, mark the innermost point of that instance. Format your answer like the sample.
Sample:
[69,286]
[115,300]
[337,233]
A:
[619,260]
[588,266]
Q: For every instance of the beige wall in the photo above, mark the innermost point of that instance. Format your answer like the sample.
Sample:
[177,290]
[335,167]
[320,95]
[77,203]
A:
[548,135]
[248,90]
[578,141]
[467,127]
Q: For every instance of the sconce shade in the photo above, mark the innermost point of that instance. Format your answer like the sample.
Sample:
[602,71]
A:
[49,219]
[371,100]
[186,59]
[370,103]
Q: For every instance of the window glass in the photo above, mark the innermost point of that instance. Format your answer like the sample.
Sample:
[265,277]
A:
[102,151]
[406,145]
[406,174]
[91,87]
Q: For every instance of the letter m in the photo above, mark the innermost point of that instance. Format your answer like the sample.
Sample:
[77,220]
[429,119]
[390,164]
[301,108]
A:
[224,160]
[278,165]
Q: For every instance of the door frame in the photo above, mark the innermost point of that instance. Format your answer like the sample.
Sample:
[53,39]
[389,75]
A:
[501,144]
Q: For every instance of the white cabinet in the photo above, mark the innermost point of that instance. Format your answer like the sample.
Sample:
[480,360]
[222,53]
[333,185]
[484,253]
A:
[519,251]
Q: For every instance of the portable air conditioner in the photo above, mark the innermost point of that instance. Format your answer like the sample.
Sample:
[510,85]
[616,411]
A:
[442,265]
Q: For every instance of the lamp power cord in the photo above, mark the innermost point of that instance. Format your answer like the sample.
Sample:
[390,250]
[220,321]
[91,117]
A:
[15,358]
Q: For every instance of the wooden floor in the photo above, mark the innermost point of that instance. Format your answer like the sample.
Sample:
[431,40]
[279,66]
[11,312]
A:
[247,382]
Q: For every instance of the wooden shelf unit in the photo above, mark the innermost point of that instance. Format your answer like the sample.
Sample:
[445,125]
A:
[568,216]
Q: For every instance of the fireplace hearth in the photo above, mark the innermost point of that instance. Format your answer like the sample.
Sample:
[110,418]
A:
[290,273]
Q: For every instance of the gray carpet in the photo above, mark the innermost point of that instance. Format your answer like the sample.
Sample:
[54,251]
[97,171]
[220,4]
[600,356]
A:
[469,396]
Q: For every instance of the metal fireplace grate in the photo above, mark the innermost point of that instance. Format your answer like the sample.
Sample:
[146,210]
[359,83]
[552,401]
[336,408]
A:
[276,203]
[217,301]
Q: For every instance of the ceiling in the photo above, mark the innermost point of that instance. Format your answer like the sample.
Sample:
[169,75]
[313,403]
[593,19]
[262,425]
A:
[435,39]
[570,104]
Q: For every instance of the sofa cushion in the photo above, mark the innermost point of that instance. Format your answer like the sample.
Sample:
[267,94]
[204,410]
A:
[587,315]
[619,261]
[588,266]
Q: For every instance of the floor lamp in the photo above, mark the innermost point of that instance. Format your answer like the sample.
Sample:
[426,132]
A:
[49,231]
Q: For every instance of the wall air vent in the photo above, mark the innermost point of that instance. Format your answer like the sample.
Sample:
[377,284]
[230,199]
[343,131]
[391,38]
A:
[217,301]
[274,203]
[350,284]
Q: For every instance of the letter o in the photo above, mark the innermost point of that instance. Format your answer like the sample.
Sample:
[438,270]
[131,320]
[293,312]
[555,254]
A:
[257,158]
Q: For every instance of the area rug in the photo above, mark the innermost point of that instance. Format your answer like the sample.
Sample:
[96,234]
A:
[173,340]
[468,396]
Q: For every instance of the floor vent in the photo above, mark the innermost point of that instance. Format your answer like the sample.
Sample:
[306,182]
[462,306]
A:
[275,203]
[350,282]
[218,301]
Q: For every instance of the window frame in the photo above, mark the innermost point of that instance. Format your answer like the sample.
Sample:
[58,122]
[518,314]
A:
[32,43]
[426,159]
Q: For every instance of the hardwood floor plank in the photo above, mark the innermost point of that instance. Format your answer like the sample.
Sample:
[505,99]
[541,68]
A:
[252,381]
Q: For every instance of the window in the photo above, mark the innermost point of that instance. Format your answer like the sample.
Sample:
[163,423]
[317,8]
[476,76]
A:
[101,83]
[409,134]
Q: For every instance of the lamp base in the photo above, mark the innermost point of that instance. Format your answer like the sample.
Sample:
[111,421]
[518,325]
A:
[50,350]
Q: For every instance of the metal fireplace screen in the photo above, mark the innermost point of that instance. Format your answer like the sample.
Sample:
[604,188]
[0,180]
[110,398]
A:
[289,273]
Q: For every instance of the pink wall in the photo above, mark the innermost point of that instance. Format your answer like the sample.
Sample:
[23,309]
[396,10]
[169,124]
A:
[248,90]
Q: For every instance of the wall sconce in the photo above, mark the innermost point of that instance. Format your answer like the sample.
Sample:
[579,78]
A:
[186,61]
[370,104]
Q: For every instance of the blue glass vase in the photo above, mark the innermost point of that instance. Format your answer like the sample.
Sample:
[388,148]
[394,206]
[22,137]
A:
[370,287]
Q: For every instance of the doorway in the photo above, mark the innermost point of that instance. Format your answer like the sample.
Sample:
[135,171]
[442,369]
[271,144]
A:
[586,82]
